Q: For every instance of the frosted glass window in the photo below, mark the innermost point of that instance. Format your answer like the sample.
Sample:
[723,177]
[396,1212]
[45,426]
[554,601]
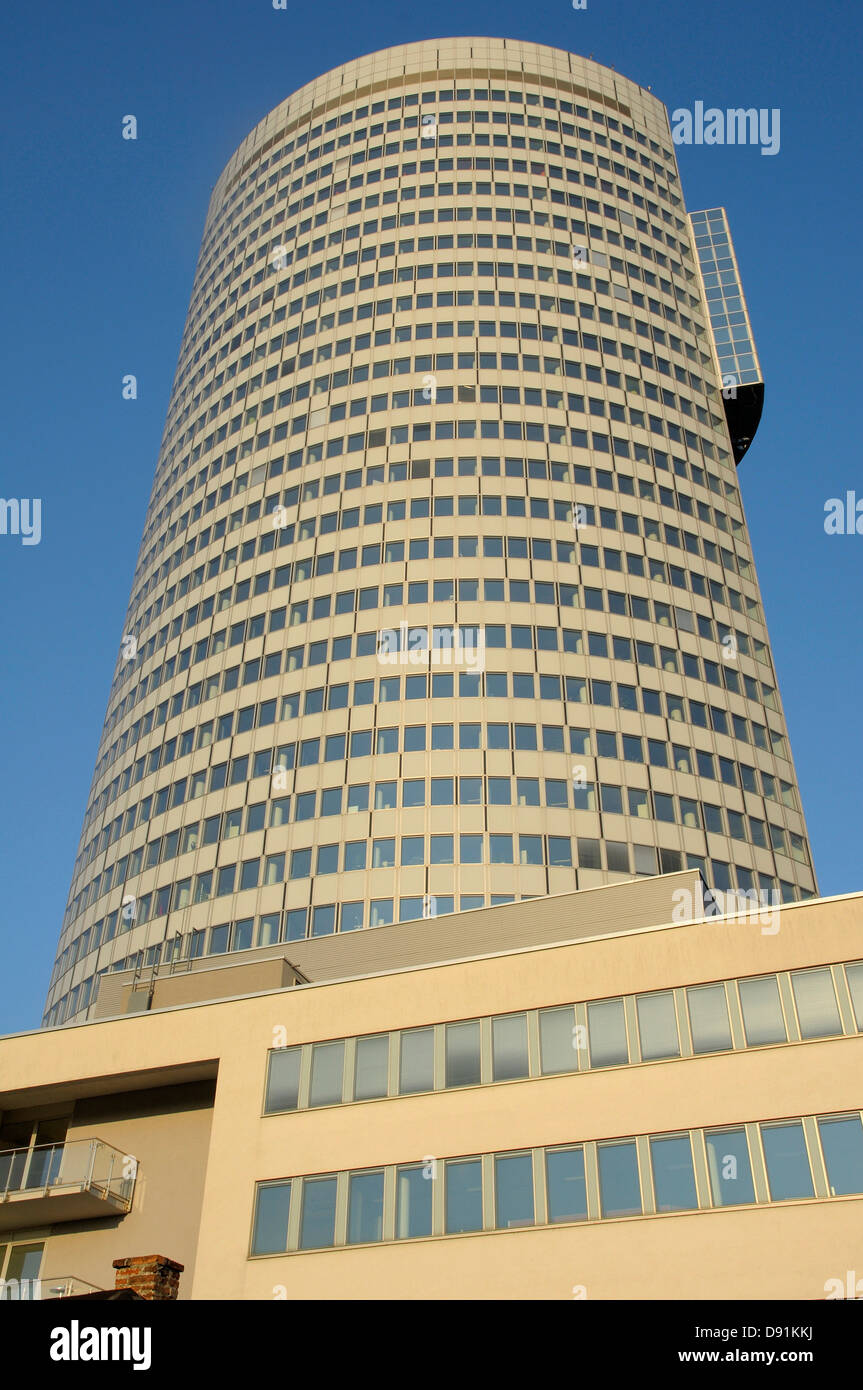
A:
[763,1021]
[370,1070]
[557,1039]
[328,1060]
[462,1054]
[708,1017]
[854,976]
[509,1046]
[657,1026]
[416,1062]
[606,1031]
[815,997]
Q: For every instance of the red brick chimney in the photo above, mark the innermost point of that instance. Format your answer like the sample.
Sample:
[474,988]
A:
[151,1276]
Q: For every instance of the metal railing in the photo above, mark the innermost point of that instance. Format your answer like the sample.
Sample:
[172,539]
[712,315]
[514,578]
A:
[37,1290]
[80,1163]
[65,1286]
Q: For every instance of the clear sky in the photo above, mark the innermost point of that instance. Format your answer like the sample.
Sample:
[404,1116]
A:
[99,238]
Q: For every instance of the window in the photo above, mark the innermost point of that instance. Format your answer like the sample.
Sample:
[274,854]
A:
[22,1269]
[318,1221]
[283,1080]
[383,854]
[413,850]
[657,1026]
[463,1195]
[463,1054]
[619,1187]
[763,1021]
[416,1061]
[509,1047]
[557,1040]
[272,1209]
[842,1145]
[673,1173]
[413,1202]
[328,1060]
[606,1031]
[788,1172]
[729,1167]
[854,975]
[815,997]
[355,855]
[513,1190]
[708,1017]
[565,1185]
[365,1207]
[370,1076]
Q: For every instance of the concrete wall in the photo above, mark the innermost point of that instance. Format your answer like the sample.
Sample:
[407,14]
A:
[786,1251]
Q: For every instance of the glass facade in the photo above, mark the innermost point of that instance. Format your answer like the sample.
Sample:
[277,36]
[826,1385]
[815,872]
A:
[726,303]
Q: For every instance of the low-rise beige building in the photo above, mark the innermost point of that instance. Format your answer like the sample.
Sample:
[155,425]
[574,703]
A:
[578,1096]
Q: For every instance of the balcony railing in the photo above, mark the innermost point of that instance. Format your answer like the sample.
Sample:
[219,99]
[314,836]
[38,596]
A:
[65,1287]
[31,1290]
[64,1182]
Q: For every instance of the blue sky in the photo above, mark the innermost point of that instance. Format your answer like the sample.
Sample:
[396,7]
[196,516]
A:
[99,240]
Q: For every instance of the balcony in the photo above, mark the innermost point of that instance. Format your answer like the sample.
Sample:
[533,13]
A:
[85,1179]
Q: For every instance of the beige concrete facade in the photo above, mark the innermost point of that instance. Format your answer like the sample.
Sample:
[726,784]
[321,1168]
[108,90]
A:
[183,1090]
[447,296]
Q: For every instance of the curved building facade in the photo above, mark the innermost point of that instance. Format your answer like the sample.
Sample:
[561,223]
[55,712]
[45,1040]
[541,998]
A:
[445,596]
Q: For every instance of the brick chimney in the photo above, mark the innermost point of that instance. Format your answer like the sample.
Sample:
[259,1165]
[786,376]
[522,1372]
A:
[151,1276]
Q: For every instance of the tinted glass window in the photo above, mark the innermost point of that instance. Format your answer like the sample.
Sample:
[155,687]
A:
[318,1224]
[729,1167]
[673,1174]
[464,1195]
[271,1219]
[567,1192]
[283,1080]
[842,1143]
[365,1207]
[788,1172]
[513,1187]
[619,1187]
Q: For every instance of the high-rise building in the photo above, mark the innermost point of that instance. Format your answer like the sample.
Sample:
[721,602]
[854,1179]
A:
[445,597]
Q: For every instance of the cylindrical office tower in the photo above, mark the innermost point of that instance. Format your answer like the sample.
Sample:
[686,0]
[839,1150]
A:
[449,380]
